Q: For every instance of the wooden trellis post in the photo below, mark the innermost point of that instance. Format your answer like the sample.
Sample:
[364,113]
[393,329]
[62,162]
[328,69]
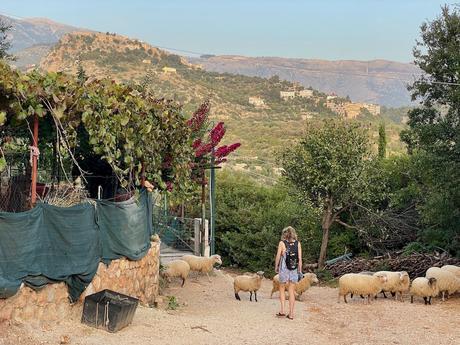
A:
[34,154]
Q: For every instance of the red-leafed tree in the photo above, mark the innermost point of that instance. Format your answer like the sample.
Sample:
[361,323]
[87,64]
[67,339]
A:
[206,142]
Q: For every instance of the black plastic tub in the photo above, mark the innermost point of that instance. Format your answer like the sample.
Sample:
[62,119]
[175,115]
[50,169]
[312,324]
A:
[109,310]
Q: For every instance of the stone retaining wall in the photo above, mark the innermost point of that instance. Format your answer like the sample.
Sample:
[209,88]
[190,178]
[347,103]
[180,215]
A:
[139,279]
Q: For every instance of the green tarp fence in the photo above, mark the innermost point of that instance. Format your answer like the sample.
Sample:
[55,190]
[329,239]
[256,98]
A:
[52,244]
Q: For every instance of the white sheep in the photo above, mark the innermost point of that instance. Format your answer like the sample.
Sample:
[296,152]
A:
[424,287]
[177,268]
[361,284]
[248,283]
[396,282]
[447,281]
[452,268]
[202,264]
[300,287]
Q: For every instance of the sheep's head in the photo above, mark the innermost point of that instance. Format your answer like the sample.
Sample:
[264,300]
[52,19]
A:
[432,283]
[314,278]
[260,274]
[404,277]
[217,259]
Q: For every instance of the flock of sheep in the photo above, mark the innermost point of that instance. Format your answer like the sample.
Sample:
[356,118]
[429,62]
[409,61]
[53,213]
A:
[444,280]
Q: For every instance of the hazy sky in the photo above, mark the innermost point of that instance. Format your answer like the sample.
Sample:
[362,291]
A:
[334,29]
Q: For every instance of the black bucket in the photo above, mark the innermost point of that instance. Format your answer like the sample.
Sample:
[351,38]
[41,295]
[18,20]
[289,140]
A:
[109,310]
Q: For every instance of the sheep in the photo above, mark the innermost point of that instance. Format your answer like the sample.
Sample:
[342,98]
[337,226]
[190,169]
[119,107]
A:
[177,268]
[361,284]
[396,282]
[447,282]
[424,287]
[202,264]
[248,283]
[451,268]
[300,287]
[368,273]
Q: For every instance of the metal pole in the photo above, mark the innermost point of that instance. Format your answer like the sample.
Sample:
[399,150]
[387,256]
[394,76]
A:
[33,196]
[203,211]
[212,203]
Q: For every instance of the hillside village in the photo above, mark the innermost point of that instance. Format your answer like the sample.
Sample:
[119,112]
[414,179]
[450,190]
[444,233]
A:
[262,113]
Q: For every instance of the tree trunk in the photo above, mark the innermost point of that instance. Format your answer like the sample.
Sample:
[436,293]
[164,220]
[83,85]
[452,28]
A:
[324,242]
[325,225]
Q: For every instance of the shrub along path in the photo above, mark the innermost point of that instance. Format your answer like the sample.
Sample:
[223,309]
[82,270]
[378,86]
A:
[209,314]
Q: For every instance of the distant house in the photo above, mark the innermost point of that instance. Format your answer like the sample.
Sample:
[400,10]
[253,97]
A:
[169,70]
[354,109]
[147,61]
[331,97]
[287,95]
[305,93]
[336,107]
[257,101]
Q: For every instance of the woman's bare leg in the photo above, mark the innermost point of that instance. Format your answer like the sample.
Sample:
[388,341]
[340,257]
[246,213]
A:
[282,288]
[291,289]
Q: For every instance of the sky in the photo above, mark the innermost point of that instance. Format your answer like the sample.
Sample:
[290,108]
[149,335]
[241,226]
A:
[320,29]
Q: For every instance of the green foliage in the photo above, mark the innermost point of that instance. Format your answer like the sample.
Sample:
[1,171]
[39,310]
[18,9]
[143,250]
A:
[250,218]
[126,127]
[434,133]
[5,44]
[382,141]
[173,304]
[328,163]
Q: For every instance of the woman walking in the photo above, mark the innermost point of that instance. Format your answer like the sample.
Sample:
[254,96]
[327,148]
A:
[288,265]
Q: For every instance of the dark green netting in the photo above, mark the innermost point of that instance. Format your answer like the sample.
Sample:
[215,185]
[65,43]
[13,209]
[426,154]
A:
[125,227]
[51,244]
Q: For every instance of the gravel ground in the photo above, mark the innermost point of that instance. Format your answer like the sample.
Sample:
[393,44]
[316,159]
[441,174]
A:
[209,314]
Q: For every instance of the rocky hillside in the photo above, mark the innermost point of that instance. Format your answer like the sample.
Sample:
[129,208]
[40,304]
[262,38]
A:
[29,32]
[378,81]
[262,130]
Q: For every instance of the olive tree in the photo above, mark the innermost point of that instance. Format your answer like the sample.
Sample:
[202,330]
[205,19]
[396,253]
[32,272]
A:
[327,170]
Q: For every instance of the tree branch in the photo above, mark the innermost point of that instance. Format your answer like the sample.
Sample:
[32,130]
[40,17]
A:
[345,224]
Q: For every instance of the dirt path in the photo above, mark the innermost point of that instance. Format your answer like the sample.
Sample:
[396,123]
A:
[209,314]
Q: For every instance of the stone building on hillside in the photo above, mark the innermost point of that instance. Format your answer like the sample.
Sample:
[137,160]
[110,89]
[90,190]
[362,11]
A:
[285,95]
[258,102]
[354,109]
[305,93]
[169,70]
[337,107]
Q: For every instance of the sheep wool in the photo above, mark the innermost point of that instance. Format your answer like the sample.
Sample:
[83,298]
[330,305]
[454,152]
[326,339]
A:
[424,287]
[202,264]
[447,282]
[248,283]
[452,268]
[300,287]
[177,268]
[397,282]
[361,284]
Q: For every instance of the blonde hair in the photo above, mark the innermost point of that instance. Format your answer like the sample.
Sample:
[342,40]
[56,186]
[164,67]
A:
[289,234]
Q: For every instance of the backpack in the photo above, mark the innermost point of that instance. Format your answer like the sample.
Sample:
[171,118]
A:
[292,255]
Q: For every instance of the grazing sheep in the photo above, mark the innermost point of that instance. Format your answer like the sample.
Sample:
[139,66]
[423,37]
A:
[202,264]
[248,283]
[300,287]
[424,287]
[397,282]
[447,281]
[452,268]
[177,268]
[368,273]
[361,284]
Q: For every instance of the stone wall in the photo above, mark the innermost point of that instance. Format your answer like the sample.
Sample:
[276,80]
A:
[139,279]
